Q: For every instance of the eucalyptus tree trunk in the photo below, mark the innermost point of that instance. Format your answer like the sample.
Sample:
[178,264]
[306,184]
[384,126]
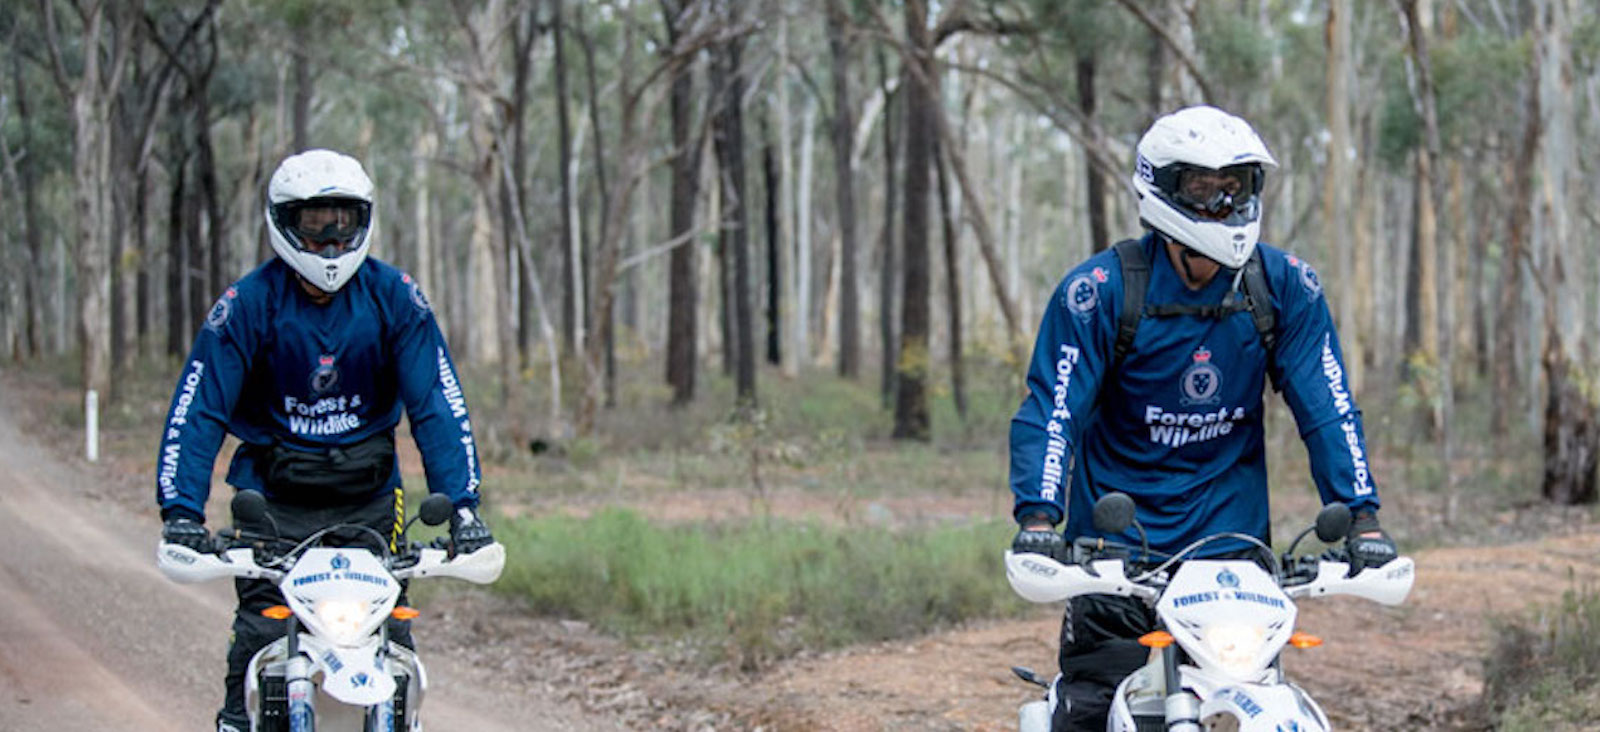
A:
[888,264]
[487,335]
[32,269]
[803,244]
[89,94]
[911,416]
[1424,334]
[729,141]
[603,189]
[683,290]
[300,69]
[841,126]
[1510,318]
[952,269]
[769,220]
[514,203]
[788,209]
[424,265]
[1572,406]
[569,307]
[1337,182]
[1094,188]
[178,282]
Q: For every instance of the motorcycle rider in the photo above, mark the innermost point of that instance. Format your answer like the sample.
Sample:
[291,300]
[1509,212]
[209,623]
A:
[308,361]
[1172,413]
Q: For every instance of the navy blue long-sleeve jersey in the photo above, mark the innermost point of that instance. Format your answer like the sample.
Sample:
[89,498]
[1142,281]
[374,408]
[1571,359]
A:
[270,365]
[1179,428]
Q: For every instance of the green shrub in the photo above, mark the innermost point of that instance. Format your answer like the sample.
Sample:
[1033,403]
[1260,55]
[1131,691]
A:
[1542,671]
[752,592]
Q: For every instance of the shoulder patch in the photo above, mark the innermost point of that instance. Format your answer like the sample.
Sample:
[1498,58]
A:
[1308,276]
[415,289]
[1082,293]
[222,310]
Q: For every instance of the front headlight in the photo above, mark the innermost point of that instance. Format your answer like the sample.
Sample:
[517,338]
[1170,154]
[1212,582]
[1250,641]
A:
[1235,646]
[342,620]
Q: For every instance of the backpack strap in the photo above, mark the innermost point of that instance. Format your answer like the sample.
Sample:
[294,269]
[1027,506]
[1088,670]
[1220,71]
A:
[1257,298]
[1135,278]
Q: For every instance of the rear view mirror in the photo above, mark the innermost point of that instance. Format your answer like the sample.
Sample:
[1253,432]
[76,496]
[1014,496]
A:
[1333,523]
[1113,513]
[435,509]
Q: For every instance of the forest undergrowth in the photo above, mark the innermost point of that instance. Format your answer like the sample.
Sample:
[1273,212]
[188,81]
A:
[805,528]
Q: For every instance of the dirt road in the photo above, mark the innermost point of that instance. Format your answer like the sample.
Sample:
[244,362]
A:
[93,637]
[1418,666]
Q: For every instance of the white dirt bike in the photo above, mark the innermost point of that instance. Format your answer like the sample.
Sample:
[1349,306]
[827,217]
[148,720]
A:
[1215,659]
[335,668]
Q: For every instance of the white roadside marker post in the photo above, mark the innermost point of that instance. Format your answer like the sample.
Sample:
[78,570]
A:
[91,419]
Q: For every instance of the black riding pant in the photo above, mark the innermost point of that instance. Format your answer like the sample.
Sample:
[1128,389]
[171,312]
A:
[252,631]
[1099,648]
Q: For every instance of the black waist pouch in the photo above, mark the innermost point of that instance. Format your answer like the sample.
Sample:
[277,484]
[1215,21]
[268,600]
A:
[335,476]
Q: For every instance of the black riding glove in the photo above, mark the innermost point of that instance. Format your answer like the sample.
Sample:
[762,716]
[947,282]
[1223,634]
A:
[468,533]
[186,532]
[1037,535]
[1368,545]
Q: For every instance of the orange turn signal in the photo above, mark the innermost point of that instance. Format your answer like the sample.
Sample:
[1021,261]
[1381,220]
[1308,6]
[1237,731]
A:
[1158,639]
[1304,640]
[277,612]
[404,613]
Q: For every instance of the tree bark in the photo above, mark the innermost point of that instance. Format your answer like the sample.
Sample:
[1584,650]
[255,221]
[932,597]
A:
[569,314]
[1572,404]
[911,416]
[1094,182]
[27,173]
[683,290]
[774,278]
[1337,183]
[1423,339]
[730,156]
[842,126]
[952,269]
[1509,318]
[889,264]
[89,95]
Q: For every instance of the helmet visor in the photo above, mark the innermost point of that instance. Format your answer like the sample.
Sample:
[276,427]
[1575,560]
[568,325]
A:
[1217,194]
[328,227]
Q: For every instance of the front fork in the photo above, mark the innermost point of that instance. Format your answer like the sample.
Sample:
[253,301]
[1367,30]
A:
[301,692]
[380,716]
[1182,706]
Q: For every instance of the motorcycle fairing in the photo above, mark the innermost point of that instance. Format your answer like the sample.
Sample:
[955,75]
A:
[353,580]
[1207,599]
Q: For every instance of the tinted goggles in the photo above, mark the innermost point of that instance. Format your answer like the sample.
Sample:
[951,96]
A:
[1217,192]
[324,220]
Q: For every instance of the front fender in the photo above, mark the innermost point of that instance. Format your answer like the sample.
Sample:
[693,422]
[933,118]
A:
[350,675]
[1265,708]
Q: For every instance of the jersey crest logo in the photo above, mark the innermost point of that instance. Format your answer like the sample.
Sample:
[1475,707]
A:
[325,378]
[218,316]
[1202,381]
[1082,296]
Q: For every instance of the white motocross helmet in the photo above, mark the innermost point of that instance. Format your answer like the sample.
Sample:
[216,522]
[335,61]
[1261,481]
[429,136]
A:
[319,213]
[1199,175]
